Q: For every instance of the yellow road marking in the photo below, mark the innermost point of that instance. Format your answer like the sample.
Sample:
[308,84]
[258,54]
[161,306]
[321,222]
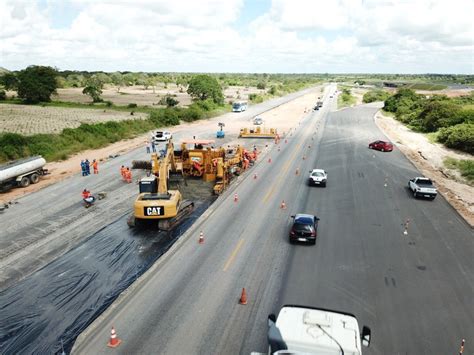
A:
[285,169]
[233,255]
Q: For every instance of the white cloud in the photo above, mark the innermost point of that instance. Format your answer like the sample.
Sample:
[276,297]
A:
[293,36]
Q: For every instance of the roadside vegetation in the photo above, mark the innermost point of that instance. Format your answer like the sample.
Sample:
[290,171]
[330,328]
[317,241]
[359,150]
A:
[345,99]
[375,95]
[452,119]
[464,166]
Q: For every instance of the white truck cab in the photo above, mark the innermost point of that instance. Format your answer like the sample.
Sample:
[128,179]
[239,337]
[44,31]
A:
[306,330]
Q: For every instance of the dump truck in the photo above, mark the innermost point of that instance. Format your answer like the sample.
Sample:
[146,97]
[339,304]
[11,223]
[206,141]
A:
[22,172]
[309,330]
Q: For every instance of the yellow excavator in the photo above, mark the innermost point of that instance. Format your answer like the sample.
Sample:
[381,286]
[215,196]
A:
[155,202]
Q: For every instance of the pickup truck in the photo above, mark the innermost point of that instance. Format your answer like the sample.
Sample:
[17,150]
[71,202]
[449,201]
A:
[422,187]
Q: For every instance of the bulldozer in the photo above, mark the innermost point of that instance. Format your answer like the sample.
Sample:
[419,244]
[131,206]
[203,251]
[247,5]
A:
[155,202]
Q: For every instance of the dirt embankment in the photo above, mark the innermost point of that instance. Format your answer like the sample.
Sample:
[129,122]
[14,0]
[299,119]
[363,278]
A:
[428,158]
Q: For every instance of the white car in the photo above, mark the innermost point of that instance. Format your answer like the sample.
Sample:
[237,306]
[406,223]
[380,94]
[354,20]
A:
[258,121]
[318,177]
[161,136]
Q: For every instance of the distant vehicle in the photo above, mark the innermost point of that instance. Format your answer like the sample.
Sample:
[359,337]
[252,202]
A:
[239,106]
[318,177]
[422,187]
[258,121]
[22,172]
[161,136]
[382,146]
[319,104]
[309,330]
[304,229]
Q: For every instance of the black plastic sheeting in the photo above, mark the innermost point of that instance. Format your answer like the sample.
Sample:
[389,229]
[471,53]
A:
[59,301]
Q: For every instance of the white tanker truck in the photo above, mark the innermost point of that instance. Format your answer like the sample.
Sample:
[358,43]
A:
[22,172]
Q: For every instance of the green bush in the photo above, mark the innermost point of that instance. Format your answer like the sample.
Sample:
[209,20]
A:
[261,85]
[375,95]
[459,137]
[132,105]
[3,95]
[193,113]
[255,98]
[465,167]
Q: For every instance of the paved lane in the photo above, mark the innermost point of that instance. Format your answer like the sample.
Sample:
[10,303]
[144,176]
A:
[414,291]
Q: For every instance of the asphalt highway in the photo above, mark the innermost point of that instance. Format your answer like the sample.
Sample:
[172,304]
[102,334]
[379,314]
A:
[415,291]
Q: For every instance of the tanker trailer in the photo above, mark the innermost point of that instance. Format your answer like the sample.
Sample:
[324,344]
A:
[21,172]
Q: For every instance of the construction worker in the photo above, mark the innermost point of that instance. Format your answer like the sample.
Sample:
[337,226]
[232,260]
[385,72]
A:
[86,194]
[95,166]
[83,168]
[128,175]
[88,166]
[122,172]
[87,198]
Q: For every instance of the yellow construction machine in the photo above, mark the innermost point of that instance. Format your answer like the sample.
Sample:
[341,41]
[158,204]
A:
[258,133]
[155,202]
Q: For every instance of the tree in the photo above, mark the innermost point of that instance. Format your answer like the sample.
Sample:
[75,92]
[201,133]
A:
[9,81]
[438,114]
[261,85]
[37,83]
[93,89]
[117,80]
[203,87]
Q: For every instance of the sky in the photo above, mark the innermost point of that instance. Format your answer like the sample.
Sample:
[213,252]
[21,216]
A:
[254,36]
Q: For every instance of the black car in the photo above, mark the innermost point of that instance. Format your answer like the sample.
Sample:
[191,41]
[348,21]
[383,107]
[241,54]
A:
[304,229]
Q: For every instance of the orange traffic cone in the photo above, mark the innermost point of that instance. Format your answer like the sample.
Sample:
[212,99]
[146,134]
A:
[236,197]
[269,160]
[254,176]
[243,297]
[114,341]
[201,238]
[283,205]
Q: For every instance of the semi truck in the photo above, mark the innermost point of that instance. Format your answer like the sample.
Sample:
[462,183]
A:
[22,172]
[308,330]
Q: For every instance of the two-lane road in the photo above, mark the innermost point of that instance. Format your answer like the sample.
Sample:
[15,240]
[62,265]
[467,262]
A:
[415,291]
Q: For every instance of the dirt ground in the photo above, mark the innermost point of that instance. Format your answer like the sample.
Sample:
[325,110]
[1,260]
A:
[428,158]
[282,117]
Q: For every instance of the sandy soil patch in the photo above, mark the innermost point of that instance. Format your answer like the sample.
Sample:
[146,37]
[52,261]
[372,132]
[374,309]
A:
[282,117]
[428,158]
[32,119]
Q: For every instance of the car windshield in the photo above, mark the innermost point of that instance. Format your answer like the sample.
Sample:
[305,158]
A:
[318,173]
[424,182]
[303,227]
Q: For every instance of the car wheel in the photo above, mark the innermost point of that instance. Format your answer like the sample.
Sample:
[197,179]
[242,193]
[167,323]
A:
[323,184]
[415,195]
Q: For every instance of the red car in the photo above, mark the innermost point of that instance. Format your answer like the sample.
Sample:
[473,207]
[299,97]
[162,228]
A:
[382,146]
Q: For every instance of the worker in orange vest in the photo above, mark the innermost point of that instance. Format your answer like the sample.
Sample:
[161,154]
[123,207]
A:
[128,175]
[122,172]
[86,194]
[95,166]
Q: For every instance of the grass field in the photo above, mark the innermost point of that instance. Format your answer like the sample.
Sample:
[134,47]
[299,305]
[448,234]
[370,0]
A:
[465,167]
